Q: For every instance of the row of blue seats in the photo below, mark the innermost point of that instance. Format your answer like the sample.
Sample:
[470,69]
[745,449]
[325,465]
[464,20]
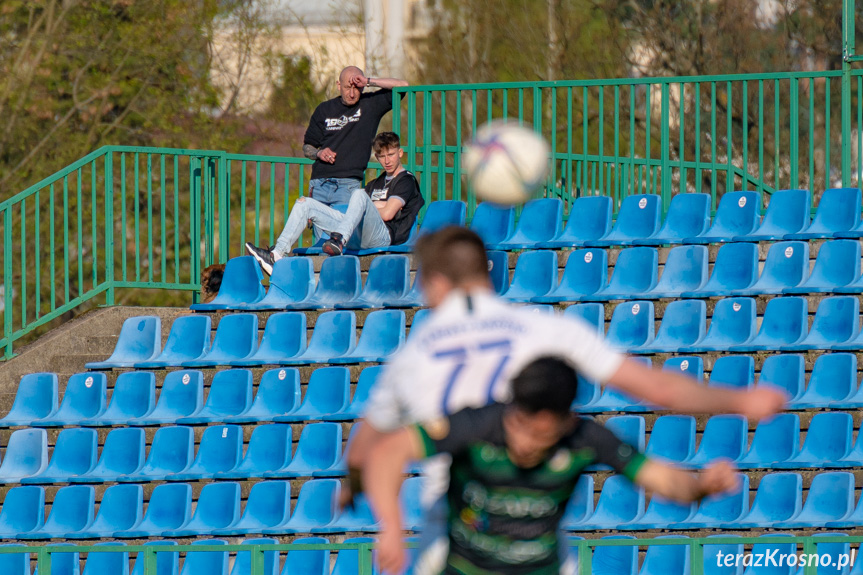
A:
[832,383]
[735,273]
[334,340]
[181,398]
[172,455]
[171,511]
[734,326]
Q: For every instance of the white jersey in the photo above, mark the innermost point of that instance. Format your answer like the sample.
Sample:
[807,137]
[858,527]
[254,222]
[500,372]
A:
[464,355]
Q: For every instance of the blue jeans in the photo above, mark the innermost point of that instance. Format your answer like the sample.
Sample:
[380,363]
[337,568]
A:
[361,223]
[331,191]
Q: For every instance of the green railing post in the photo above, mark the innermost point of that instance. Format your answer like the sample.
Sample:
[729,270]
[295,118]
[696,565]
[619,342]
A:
[257,560]
[7,280]
[43,561]
[397,108]
[585,557]
[150,565]
[809,549]
[848,48]
[109,227]
[224,194]
[365,559]
[697,557]
[666,143]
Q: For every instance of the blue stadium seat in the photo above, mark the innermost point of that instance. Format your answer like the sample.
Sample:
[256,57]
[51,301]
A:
[691,365]
[74,454]
[347,561]
[84,398]
[218,507]
[206,562]
[785,323]
[830,498]
[540,221]
[23,511]
[340,467]
[735,269]
[833,551]
[328,392]
[589,219]
[439,214]
[787,265]
[189,340]
[685,270]
[828,439]
[774,550]
[417,320]
[838,212]
[36,398]
[278,394]
[169,508]
[181,394]
[737,215]
[292,281]
[854,457]
[410,494]
[779,498]
[714,557]
[661,513]
[243,561]
[586,273]
[268,505]
[620,502]
[167,562]
[683,324]
[412,298]
[629,429]
[591,313]
[666,559]
[833,380]
[535,275]
[492,222]
[269,449]
[733,323]
[308,561]
[26,454]
[383,335]
[631,325]
[775,440]
[355,518]
[338,281]
[16,563]
[236,339]
[221,449]
[688,216]
[319,448]
[230,394]
[634,275]
[334,336]
[580,506]
[617,560]
[284,338]
[140,340]
[736,371]
[134,396]
[725,437]
[121,508]
[837,321]
[614,400]
[721,509]
[672,438]
[64,563]
[637,219]
[787,213]
[389,277]
[172,451]
[241,284]
[355,409]
[72,510]
[785,371]
[316,505]
[837,266]
[498,270]
[122,454]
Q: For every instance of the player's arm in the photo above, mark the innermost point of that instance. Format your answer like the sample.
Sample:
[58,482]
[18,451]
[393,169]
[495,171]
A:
[686,486]
[385,83]
[681,393]
[389,208]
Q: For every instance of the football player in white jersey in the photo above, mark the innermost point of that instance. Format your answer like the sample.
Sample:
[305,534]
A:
[464,354]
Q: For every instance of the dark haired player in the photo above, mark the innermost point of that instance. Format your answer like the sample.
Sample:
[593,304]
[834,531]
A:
[514,467]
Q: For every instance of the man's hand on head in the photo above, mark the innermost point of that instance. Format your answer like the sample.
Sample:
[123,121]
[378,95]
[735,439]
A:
[360,81]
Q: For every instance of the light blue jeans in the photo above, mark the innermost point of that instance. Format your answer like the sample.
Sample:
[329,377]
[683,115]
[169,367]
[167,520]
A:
[361,223]
[331,191]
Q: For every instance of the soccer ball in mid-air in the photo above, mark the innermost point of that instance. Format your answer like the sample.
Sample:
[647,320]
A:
[506,163]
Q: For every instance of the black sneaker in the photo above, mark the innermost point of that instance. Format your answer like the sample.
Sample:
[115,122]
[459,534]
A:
[335,245]
[264,256]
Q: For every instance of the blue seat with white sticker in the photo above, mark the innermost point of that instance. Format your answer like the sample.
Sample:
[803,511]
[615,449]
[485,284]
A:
[737,215]
[838,213]
[540,221]
[586,273]
[787,213]
[637,219]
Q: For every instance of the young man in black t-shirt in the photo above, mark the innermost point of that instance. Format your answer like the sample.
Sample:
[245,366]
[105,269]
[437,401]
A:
[380,215]
[514,467]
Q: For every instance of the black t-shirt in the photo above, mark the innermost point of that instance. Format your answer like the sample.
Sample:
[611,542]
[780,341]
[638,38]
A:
[503,518]
[348,131]
[404,185]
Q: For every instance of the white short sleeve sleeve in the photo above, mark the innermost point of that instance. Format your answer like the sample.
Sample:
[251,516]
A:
[592,356]
[384,410]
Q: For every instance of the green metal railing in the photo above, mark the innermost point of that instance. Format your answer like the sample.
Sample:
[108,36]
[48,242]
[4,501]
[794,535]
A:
[805,547]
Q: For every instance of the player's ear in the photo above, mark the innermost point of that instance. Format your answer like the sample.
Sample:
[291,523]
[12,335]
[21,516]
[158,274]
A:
[401,152]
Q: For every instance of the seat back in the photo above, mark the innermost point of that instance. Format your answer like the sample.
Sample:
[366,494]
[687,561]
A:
[779,497]
[292,280]
[220,449]
[685,269]
[787,265]
[666,559]
[243,560]
[278,391]
[785,321]
[498,270]
[236,336]
[617,560]
[837,265]
[672,438]
[134,395]
[442,213]
[15,563]
[339,279]
[23,510]
[389,277]
[269,503]
[735,268]
[787,212]
[269,448]
[586,272]
[189,337]
[638,217]
[725,436]
[775,440]
[181,394]
[631,325]
[733,371]
[328,391]
[316,502]
[683,323]
[209,562]
[535,275]
[619,502]
[589,218]
[122,453]
[170,506]
[140,339]
[837,320]
[284,336]
[786,371]
[26,454]
[635,271]
[230,392]
[334,335]
[167,562]
[122,507]
[319,446]
[540,221]
[833,378]
[35,398]
[738,214]
[75,453]
[838,211]
[828,438]
[71,510]
[629,429]
[691,365]
[85,397]
[688,215]
[733,320]
[383,333]
[172,450]
[218,505]
[592,314]
[724,507]
[492,222]
[241,283]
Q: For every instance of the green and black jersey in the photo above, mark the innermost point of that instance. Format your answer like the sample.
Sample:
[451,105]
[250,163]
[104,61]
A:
[503,518]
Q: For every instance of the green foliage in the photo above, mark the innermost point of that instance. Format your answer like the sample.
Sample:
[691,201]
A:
[295,96]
